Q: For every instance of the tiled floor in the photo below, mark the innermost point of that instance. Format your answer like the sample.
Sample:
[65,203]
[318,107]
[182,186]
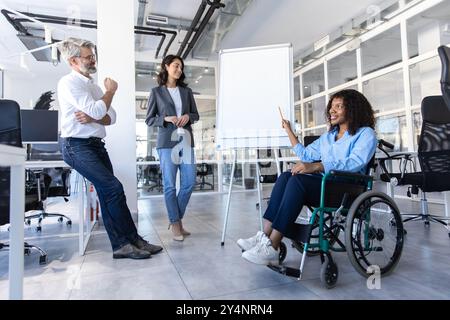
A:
[200,268]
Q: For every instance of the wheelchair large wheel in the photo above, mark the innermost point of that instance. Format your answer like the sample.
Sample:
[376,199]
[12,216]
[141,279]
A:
[374,233]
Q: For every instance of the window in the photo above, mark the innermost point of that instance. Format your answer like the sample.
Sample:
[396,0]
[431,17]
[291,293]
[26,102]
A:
[392,128]
[342,69]
[428,30]
[385,92]
[425,79]
[205,130]
[297,88]
[200,79]
[354,87]
[313,81]
[315,112]
[381,51]
[298,119]
[315,132]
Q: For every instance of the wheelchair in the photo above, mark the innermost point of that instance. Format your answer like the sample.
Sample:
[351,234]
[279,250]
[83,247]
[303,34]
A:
[351,218]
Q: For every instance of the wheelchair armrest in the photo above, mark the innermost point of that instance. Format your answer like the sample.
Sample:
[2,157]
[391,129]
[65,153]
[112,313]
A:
[347,174]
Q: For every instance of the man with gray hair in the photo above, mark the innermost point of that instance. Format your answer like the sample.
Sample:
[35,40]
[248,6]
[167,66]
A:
[85,111]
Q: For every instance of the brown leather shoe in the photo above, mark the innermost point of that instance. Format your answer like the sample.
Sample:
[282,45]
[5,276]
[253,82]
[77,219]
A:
[131,251]
[144,245]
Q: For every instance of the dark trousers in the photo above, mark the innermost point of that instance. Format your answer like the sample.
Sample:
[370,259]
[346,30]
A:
[90,158]
[289,195]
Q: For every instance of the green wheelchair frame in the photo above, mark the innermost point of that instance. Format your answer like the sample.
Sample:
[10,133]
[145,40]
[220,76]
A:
[358,221]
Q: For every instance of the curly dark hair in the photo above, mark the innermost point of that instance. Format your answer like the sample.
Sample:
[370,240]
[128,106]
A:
[164,75]
[358,110]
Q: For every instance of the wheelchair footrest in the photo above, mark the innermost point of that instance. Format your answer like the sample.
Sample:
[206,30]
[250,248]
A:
[287,271]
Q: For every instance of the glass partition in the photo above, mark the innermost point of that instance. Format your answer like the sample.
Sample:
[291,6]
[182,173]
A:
[342,69]
[385,92]
[313,81]
[425,79]
[381,51]
[315,112]
[392,128]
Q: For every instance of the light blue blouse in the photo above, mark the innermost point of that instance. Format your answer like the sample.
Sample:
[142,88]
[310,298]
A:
[349,153]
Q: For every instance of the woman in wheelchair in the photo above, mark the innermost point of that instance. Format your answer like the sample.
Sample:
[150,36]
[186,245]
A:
[348,145]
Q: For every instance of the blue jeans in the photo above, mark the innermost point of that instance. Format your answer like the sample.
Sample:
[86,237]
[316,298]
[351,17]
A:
[171,160]
[90,158]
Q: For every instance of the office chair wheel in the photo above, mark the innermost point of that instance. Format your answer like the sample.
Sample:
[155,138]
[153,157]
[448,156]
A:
[329,272]
[38,229]
[60,219]
[43,259]
[69,223]
[257,206]
[370,238]
[427,223]
[28,222]
[283,253]
[27,251]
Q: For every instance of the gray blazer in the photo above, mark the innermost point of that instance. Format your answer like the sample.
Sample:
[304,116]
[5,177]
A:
[161,105]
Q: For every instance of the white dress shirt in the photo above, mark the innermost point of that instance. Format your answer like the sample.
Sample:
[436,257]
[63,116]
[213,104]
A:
[79,93]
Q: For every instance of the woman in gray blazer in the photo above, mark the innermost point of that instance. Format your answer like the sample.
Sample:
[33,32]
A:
[172,108]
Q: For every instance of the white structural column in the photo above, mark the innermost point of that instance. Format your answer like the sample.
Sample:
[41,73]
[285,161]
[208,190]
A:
[116,59]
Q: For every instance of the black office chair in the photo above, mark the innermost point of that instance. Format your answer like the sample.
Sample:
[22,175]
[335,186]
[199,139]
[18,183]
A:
[444,54]
[153,175]
[56,182]
[433,151]
[204,170]
[10,134]
[309,139]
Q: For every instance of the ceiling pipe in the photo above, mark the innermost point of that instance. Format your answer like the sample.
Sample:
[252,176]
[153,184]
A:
[197,17]
[64,22]
[213,6]
[162,35]
[89,24]
[44,16]
[16,24]
[173,33]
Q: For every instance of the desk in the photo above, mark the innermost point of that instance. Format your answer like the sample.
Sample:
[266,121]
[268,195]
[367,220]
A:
[14,157]
[84,202]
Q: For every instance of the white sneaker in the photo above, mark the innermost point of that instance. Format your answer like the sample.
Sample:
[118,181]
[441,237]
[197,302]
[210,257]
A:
[246,244]
[263,253]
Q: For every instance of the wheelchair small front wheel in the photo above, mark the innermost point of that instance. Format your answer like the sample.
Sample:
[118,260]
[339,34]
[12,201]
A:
[374,233]
[329,273]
